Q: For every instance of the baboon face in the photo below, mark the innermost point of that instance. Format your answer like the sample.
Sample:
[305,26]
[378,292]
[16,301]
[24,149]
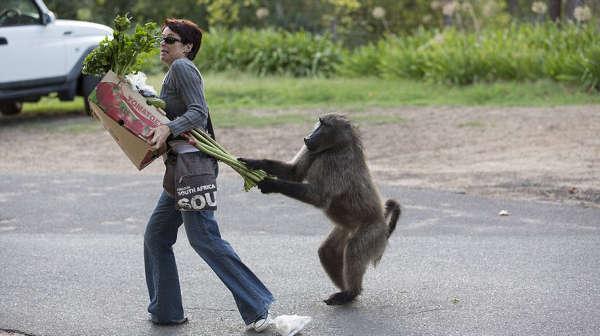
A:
[331,131]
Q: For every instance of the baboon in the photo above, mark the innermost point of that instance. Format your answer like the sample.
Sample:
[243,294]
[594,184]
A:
[330,173]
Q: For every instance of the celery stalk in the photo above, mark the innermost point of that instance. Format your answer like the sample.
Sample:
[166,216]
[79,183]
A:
[208,145]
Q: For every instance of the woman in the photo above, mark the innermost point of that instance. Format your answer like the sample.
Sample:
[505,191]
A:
[188,170]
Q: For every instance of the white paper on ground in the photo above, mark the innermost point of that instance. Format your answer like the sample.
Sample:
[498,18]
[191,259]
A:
[289,325]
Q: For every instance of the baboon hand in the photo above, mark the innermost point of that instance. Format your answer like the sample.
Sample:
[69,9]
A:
[250,163]
[268,185]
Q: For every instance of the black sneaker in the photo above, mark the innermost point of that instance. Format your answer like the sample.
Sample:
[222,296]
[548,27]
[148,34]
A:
[156,321]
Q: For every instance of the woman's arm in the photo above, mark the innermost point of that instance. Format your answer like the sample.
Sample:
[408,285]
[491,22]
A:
[189,86]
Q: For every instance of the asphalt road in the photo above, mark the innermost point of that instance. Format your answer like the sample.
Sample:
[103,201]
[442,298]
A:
[71,263]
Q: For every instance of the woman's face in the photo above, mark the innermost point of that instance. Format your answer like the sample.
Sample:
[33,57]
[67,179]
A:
[171,47]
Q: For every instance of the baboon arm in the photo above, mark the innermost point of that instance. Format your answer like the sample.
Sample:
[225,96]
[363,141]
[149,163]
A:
[295,170]
[302,192]
[281,170]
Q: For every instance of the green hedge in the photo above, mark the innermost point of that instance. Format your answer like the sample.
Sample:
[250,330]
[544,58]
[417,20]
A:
[269,52]
[521,52]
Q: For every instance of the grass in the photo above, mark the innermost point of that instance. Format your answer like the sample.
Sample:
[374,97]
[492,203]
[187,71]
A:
[51,105]
[231,95]
[240,91]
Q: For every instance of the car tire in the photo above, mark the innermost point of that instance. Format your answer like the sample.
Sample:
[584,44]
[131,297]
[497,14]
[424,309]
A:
[8,108]
[88,84]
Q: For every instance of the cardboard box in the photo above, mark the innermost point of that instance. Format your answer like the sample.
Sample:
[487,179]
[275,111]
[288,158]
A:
[125,114]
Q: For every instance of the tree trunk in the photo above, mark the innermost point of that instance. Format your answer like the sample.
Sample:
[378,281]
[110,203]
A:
[448,16]
[555,10]
[334,29]
[279,11]
[512,7]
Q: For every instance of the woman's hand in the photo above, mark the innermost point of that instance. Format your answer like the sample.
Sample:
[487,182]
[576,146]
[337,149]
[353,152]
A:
[158,136]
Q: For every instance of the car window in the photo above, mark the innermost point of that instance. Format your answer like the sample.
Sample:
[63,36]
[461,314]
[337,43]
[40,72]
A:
[19,13]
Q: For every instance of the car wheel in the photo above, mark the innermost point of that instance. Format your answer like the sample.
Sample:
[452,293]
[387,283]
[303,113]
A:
[88,84]
[10,107]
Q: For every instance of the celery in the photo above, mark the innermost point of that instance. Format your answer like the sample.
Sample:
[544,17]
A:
[208,145]
[121,54]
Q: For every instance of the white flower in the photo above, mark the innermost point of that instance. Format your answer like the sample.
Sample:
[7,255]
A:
[262,13]
[435,5]
[378,13]
[582,13]
[450,8]
[539,7]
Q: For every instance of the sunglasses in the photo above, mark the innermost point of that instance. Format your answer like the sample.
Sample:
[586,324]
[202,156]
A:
[169,40]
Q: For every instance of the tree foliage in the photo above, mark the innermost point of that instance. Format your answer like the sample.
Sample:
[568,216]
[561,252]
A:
[352,22]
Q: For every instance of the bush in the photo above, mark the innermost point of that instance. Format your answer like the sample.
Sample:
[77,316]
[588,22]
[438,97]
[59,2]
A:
[362,62]
[403,57]
[569,53]
[520,52]
[269,51]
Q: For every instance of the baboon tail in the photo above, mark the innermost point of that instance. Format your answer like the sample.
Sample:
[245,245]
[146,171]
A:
[392,213]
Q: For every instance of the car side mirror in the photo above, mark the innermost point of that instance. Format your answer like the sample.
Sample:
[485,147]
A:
[47,18]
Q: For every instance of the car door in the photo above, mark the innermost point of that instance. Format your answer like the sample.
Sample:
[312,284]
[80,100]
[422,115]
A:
[31,52]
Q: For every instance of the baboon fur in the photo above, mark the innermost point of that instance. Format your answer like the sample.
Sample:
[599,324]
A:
[330,173]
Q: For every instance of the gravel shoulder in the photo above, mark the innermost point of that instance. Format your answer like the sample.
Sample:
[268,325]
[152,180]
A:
[546,154]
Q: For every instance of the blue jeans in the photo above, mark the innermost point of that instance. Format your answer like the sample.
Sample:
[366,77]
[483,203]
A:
[250,295]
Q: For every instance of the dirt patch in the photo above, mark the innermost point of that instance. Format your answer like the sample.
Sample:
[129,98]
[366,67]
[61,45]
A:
[548,154]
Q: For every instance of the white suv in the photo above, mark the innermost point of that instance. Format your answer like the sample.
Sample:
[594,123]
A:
[40,55]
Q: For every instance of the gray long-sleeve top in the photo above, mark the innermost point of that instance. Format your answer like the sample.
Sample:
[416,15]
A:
[183,92]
